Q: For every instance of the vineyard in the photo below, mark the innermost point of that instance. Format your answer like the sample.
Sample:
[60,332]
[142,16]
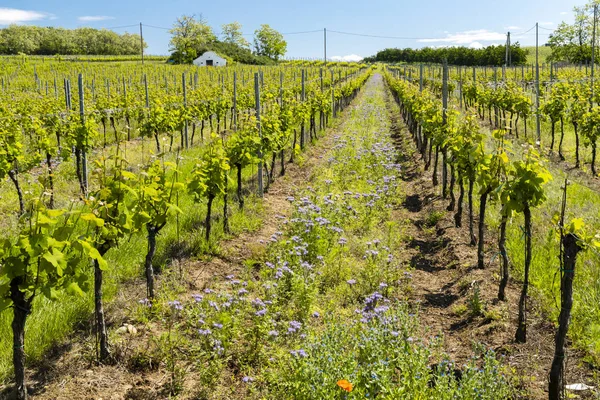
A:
[308,230]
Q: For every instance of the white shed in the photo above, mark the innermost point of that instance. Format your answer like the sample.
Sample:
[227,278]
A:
[210,59]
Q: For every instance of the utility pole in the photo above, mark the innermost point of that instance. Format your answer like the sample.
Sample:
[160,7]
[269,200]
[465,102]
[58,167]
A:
[325,45]
[537,87]
[142,42]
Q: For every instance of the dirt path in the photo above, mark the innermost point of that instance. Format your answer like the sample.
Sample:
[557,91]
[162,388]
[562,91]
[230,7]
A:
[444,283]
[69,373]
[276,208]
[447,286]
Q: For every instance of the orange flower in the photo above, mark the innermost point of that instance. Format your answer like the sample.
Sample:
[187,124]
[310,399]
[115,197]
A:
[345,385]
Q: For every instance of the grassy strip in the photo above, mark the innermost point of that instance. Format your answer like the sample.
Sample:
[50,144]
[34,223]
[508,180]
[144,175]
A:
[322,313]
[582,202]
[52,321]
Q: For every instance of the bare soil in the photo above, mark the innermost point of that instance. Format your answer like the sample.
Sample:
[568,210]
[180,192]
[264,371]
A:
[443,285]
[69,371]
[446,276]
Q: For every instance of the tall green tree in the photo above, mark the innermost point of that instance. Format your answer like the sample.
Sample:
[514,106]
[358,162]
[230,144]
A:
[232,33]
[188,35]
[458,55]
[37,40]
[269,42]
[572,42]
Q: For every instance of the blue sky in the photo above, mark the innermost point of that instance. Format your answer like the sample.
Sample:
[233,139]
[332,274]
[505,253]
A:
[430,22]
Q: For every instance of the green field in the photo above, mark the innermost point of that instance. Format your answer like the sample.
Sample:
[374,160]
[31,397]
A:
[338,271]
[543,53]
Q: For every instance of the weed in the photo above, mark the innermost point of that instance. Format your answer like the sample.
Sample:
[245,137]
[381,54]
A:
[433,218]
[476,304]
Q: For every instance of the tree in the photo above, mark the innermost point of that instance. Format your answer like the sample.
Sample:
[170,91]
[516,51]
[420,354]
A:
[491,55]
[37,40]
[232,33]
[268,42]
[188,35]
[571,42]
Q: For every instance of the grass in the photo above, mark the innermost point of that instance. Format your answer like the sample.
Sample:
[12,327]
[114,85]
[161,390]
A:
[324,303]
[51,321]
[583,201]
[543,53]
[331,286]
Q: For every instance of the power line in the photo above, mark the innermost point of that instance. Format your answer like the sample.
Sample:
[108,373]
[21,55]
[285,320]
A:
[220,33]
[299,33]
[156,27]
[283,33]
[123,26]
[380,37]
[515,34]
[522,33]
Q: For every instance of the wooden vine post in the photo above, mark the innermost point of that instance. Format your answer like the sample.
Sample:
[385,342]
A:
[571,245]
[84,166]
[444,123]
[258,126]
[185,123]
[302,99]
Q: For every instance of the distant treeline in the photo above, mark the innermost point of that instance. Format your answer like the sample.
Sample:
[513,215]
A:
[37,40]
[490,55]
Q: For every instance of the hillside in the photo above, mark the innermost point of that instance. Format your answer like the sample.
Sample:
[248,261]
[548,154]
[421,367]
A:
[544,53]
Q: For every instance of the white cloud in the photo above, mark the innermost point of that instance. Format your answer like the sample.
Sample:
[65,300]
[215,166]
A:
[512,28]
[468,37]
[349,57]
[93,18]
[14,16]
[476,45]
[546,23]
[564,13]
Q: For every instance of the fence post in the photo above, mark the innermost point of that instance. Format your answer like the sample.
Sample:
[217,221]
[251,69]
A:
[257,108]
[146,91]
[185,124]
[321,77]
[234,108]
[281,88]
[460,83]
[444,122]
[302,99]
[84,168]
[332,96]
